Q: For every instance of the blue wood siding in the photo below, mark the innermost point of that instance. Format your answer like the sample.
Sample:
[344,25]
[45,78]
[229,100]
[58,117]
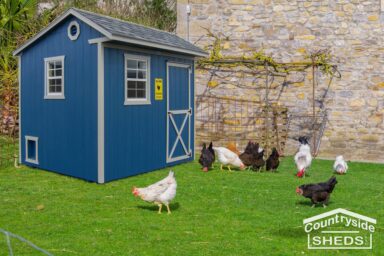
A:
[67,129]
[135,135]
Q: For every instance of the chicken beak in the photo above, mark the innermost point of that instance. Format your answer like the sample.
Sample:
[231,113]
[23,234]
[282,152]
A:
[298,191]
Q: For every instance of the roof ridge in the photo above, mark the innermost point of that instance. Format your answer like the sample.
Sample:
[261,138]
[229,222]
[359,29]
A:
[169,41]
[130,22]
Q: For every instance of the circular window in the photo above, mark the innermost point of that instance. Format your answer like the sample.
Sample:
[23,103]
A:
[73,30]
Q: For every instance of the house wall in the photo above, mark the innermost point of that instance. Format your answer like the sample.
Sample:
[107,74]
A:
[66,128]
[135,135]
[353,31]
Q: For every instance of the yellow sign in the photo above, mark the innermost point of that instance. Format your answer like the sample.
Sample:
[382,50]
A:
[158,89]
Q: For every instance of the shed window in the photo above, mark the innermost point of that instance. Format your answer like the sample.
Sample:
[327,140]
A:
[73,30]
[31,149]
[137,81]
[54,77]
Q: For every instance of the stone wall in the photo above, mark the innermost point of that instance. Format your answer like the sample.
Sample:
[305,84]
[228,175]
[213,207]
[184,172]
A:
[286,29]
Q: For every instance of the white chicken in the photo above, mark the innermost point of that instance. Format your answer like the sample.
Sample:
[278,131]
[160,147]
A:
[162,192]
[227,157]
[340,166]
[303,158]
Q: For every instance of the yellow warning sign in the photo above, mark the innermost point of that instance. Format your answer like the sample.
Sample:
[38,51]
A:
[158,89]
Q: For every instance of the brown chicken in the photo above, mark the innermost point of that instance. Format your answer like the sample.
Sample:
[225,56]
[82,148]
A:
[232,146]
[247,157]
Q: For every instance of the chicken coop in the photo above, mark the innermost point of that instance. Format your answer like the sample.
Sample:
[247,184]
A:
[102,99]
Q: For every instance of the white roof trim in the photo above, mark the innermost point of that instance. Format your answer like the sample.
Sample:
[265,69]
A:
[339,210]
[57,21]
[102,31]
[155,45]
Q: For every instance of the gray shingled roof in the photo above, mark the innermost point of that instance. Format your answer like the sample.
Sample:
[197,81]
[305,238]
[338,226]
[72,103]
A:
[119,30]
[134,31]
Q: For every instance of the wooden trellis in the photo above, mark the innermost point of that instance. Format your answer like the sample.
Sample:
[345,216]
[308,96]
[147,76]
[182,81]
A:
[218,122]
[224,120]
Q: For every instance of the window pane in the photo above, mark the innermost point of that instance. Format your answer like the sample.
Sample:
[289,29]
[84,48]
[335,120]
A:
[58,64]
[131,94]
[131,73]
[51,82]
[131,84]
[132,64]
[141,74]
[142,65]
[51,65]
[58,72]
[58,89]
[52,88]
[140,93]
[140,85]
[58,82]
[51,73]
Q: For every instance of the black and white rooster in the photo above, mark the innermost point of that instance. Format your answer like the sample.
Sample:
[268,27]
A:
[303,158]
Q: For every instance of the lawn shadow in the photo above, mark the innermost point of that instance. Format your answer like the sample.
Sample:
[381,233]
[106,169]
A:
[155,208]
[309,203]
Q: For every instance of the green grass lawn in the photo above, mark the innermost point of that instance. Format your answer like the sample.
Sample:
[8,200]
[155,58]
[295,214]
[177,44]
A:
[214,213]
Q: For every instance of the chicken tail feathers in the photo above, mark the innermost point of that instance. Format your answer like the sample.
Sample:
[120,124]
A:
[332,181]
[171,174]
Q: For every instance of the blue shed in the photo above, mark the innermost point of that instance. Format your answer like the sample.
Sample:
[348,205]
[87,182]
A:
[102,99]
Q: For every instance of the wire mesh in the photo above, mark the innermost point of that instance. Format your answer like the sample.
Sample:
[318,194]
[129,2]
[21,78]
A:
[227,119]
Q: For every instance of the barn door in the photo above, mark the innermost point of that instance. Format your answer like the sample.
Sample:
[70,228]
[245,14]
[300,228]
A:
[179,112]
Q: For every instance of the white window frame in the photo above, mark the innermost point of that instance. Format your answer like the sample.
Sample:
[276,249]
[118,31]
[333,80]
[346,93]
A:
[36,140]
[70,36]
[47,94]
[147,99]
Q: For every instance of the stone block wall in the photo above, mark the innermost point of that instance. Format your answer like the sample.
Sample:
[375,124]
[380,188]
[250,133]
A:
[287,29]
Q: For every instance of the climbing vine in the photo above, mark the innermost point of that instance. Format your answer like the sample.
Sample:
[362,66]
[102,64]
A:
[319,58]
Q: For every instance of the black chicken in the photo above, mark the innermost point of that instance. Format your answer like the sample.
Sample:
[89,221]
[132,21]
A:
[318,193]
[273,160]
[207,157]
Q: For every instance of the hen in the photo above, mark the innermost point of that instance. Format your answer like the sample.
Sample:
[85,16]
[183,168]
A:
[232,146]
[247,157]
[258,162]
[253,156]
[162,192]
[273,160]
[340,166]
[207,157]
[303,158]
[318,193]
[227,157]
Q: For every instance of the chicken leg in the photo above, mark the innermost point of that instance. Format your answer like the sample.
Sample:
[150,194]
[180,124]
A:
[169,211]
[229,168]
[221,167]
[160,206]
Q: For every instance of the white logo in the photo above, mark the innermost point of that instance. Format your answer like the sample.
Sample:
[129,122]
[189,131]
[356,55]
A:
[339,229]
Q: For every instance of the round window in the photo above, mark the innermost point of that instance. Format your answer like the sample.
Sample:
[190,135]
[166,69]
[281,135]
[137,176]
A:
[73,30]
